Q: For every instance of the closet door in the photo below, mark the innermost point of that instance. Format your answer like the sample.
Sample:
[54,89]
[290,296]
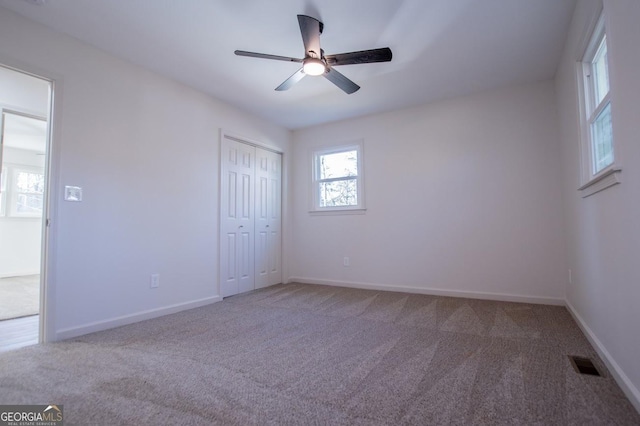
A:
[237,238]
[268,218]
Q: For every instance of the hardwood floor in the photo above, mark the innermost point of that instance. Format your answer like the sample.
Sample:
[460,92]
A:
[19,332]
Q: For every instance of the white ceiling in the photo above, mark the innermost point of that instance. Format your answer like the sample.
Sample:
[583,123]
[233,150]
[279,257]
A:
[441,48]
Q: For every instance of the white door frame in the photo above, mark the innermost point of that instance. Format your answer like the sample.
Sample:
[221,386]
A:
[47,332]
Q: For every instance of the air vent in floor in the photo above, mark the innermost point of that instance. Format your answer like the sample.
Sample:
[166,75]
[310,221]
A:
[584,365]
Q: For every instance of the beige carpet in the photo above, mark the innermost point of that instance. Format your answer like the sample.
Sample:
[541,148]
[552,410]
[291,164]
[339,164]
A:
[19,296]
[303,354]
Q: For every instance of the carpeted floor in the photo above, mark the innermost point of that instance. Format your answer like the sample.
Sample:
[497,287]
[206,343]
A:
[19,296]
[305,354]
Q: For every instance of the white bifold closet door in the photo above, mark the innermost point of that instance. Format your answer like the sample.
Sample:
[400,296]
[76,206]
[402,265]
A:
[250,217]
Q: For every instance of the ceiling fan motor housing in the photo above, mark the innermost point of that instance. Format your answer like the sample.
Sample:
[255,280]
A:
[314,66]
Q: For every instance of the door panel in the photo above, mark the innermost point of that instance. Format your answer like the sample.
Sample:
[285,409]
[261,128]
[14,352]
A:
[268,221]
[262,266]
[236,218]
[230,260]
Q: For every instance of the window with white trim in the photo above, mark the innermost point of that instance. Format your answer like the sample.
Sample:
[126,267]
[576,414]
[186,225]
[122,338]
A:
[28,187]
[22,191]
[598,159]
[338,179]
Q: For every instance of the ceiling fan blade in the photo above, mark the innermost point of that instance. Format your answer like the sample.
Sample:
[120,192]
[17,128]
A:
[265,56]
[361,57]
[310,28]
[296,77]
[341,81]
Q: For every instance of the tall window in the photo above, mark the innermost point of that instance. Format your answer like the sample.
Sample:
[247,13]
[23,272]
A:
[337,179]
[597,129]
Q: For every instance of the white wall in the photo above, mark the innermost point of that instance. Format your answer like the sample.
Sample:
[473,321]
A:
[23,93]
[462,196]
[145,151]
[603,235]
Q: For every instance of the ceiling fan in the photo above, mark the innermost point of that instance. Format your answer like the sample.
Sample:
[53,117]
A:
[316,63]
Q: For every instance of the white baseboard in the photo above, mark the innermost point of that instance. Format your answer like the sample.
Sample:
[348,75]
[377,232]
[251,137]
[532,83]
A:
[68,333]
[616,371]
[434,291]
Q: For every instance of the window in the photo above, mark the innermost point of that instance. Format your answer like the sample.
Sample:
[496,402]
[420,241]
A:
[22,192]
[338,179]
[597,130]
[29,192]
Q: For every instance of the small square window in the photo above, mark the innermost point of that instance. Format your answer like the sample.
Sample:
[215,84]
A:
[338,178]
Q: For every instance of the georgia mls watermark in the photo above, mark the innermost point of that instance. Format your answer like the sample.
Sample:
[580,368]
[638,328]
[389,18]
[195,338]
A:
[31,415]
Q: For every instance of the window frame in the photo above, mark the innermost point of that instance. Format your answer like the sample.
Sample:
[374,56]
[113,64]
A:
[593,180]
[316,181]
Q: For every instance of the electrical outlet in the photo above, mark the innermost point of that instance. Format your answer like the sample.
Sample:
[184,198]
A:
[346,261]
[155,281]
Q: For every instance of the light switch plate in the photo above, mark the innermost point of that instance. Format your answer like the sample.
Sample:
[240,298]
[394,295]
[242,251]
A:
[72,193]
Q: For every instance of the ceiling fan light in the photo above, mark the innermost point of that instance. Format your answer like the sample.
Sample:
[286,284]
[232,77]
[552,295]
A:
[313,66]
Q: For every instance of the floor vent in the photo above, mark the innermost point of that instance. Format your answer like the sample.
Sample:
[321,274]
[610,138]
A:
[584,365]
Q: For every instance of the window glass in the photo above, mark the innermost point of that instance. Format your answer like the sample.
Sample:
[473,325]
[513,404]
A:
[339,164]
[601,72]
[339,193]
[602,140]
[29,191]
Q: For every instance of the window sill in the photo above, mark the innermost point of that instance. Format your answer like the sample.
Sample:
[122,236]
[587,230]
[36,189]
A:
[607,179]
[336,212]
[20,218]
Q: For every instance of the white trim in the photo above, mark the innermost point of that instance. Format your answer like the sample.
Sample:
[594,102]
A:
[603,181]
[247,141]
[627,386]
[93,327]
[19,274]
[502,297]
[341,211]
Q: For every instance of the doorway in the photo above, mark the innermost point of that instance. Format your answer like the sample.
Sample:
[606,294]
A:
[24,152]
[250,216]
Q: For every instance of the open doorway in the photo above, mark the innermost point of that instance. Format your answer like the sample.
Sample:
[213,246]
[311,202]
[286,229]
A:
[24,117]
